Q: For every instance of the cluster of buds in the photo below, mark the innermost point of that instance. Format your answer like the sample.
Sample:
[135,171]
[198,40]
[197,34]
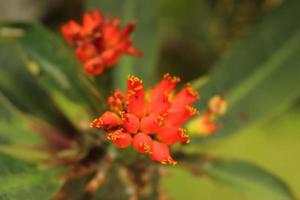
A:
[99,41]
[207,123]
[149,122]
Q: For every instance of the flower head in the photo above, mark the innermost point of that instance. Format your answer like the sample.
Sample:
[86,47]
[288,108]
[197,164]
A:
[149,121]
[99,41]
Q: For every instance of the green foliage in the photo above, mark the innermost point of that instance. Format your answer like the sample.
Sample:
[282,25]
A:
[259,77]
[21,91]
[52,66]
[240,175]
[13,131]
[16,137]
[273,146]
[10,117]
[21,180]
[249,178]
[41,78]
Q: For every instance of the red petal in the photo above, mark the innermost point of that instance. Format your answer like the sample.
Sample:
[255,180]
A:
[117,101]
[90,22]
[142,143]
[123,46]
[130,122]
[166,86]
[171,135]
[85,52]
[150,124]
[127,30]
[111,36]
[185,96]
[110,56]
[107,121]
[68,35]
[120,138]
[116,21]
[96,15]
[136,96]
[161,153]
[94,66]
[177,116]
[134,52]
[160,105]
[70,31]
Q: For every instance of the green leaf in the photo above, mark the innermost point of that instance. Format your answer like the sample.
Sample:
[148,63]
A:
[17,84]
[146,37]
[249,178]
[240,175]
[12,128]
[54,67]
[22,180]
[16,137]
[259,77]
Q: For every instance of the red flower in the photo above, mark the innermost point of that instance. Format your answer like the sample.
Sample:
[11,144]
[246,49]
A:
[99,41]
[149,122]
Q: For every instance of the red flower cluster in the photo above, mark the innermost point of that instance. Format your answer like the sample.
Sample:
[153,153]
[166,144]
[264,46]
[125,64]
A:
[150,122]
[99,41]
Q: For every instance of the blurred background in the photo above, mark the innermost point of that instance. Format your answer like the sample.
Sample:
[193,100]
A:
[194,36]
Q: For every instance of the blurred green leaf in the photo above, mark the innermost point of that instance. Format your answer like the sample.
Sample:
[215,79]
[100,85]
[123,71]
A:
[16,137]
[188,39]
[183,17]
[54,66]
[12,128]
[240,175]
[17,84]
[109,8]
[249,178]
[146,37]
[259,77]
[21,180]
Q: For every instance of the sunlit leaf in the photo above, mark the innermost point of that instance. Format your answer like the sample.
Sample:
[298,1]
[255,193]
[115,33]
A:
[249,178]
[240,175]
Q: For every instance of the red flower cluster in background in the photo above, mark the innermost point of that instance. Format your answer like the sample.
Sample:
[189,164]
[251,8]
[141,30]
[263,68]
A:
[149,122]
[99,41]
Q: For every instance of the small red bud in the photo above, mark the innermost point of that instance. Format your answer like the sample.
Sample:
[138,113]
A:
[161,153]
[106,121]
[171,135]
[120,138]
[142,143]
